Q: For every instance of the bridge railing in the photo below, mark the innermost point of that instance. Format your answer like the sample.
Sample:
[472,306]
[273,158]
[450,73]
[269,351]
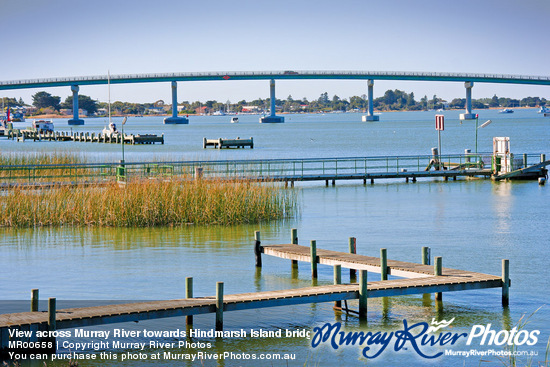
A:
[268,169]
[354,74]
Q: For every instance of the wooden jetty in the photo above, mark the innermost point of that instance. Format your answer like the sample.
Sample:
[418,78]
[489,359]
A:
[23,135]
[418,279]
[228,143]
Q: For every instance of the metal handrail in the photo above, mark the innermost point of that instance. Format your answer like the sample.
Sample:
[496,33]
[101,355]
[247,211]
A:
[258,168]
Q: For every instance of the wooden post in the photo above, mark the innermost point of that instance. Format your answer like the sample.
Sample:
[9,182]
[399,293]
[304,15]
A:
[34,300]
[524,160]
[338,280]
[383,264]
[189,295]
[542,158]
[362,294]
[219,306]
[438,270]
[425,255]
[258,249]
[294,241]
[313,251]
[51,314]
[505,282]
[352,250]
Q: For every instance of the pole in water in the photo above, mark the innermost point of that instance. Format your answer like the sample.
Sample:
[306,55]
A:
[294,241]
[258,249]
[383,264]
[362,294]
[352,250]
[188,295]
[219,306]
[34,300]
[338,280]
[438,271]
[313,251]
[505,282]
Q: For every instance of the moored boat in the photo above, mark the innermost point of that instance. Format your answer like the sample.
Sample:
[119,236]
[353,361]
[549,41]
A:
[42,126]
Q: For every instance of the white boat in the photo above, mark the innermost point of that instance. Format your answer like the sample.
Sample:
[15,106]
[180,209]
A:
[506,110]
[218,113]
[111,130]
[42,126]
[234,120]
[544,109]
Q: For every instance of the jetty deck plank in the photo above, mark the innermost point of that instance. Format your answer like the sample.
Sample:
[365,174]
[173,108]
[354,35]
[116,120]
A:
[73,317]
[362,262]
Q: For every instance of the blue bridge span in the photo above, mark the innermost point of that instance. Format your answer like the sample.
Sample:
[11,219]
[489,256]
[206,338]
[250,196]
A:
[370,76]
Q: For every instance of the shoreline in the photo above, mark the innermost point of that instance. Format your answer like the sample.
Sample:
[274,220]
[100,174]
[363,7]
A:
[54,116]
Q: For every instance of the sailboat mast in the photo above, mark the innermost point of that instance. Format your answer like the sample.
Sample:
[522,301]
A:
[109,86]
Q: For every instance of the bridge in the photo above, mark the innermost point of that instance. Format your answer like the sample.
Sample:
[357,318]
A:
[370,76]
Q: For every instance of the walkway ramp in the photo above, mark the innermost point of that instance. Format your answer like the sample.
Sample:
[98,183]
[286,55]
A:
[534,171]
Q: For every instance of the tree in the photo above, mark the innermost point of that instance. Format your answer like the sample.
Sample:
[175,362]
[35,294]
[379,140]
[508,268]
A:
[84,102]
[323,99]
[494,101]
[45,99]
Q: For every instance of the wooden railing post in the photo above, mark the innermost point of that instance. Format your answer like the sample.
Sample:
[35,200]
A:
[505,282]
[363,294]
[338,280]
[383,264]
[352,250]
[425,255]
[438,270]
[294,241]
[189,295]
[258,249]
[313,252]
[219,306]
[34,300]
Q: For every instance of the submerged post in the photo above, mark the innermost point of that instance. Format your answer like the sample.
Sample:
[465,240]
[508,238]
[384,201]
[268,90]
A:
[258,249]
[383,264]
[313,251]
[76,119]
[219,306]
[294,241]
[438,270]
[505,282]
[189,295]
[352,250]
[362,294]
[34,300]
[338,280]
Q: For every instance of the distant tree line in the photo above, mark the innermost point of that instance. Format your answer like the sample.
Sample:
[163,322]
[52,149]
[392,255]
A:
[392,100]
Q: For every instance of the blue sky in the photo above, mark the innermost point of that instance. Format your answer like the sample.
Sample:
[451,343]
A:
[88,37]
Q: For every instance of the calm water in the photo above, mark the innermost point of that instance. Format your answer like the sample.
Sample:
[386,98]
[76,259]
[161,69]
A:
[472,224]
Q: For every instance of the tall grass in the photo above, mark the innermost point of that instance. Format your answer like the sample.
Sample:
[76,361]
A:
[148,203]
[58,157]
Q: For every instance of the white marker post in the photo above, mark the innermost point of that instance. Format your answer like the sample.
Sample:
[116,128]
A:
[439,126]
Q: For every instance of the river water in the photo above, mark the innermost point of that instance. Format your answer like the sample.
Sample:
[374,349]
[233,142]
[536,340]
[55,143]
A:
[472,224]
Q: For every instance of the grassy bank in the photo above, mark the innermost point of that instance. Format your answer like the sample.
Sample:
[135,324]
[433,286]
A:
[148,203]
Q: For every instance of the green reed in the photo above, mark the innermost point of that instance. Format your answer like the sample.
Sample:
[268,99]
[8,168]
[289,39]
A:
[147,203]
